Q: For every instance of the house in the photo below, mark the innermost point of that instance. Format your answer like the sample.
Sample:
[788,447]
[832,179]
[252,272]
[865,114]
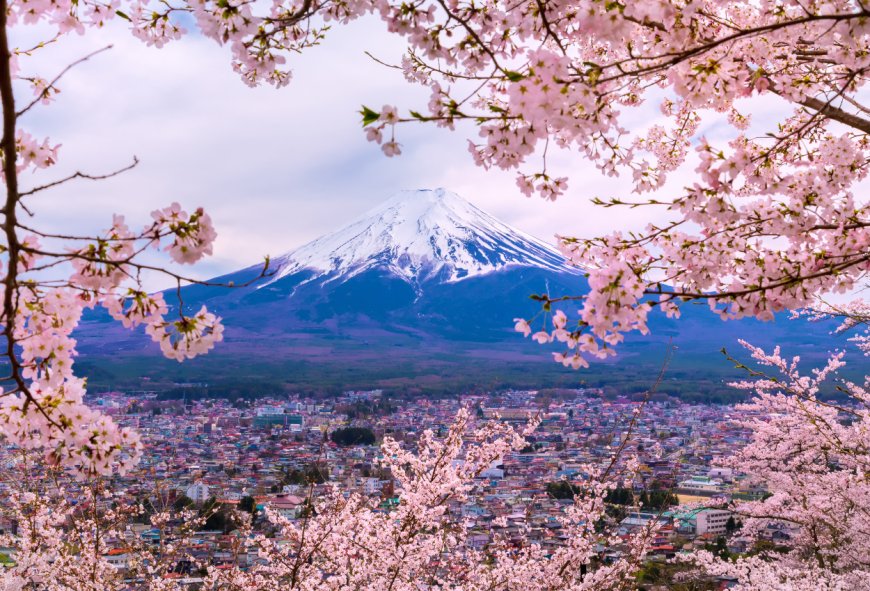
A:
[118,558]
[287,506]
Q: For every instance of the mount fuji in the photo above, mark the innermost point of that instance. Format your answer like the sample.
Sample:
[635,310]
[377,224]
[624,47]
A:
[421,236]
[425,262]
[419,293]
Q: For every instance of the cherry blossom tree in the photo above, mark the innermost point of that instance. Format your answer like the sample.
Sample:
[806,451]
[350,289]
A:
[811,453]
[49,279]
[63,540]
[349,543]
[773,220]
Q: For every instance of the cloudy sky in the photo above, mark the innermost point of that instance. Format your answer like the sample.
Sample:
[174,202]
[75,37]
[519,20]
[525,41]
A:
[275,168]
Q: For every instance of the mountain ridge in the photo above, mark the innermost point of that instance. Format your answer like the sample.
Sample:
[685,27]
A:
[420,235]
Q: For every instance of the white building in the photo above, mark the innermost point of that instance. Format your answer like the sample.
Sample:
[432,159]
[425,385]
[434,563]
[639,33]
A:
[371,486]
[495,470]
[711,521]
[637,519]
[725,474]
[119,559]
[701,484]
[197,492]
[231,495]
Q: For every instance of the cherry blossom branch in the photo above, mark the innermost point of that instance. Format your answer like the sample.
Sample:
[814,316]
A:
[45,91]
[77,175]
[676,57]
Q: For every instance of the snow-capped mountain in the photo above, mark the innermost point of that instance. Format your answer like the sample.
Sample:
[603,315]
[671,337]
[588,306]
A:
[421,290]
[422,235]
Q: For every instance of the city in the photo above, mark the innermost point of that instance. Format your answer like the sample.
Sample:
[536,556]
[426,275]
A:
[273,456]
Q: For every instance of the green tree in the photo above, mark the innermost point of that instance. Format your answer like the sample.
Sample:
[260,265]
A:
[562,489]
[620,496]
[348,436]
[719,548]
[182,502]
[658,499]
[248,503]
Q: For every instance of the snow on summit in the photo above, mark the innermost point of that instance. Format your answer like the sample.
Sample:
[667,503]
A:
[422,235]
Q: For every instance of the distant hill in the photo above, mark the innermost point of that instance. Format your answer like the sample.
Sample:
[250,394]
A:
[419,296]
